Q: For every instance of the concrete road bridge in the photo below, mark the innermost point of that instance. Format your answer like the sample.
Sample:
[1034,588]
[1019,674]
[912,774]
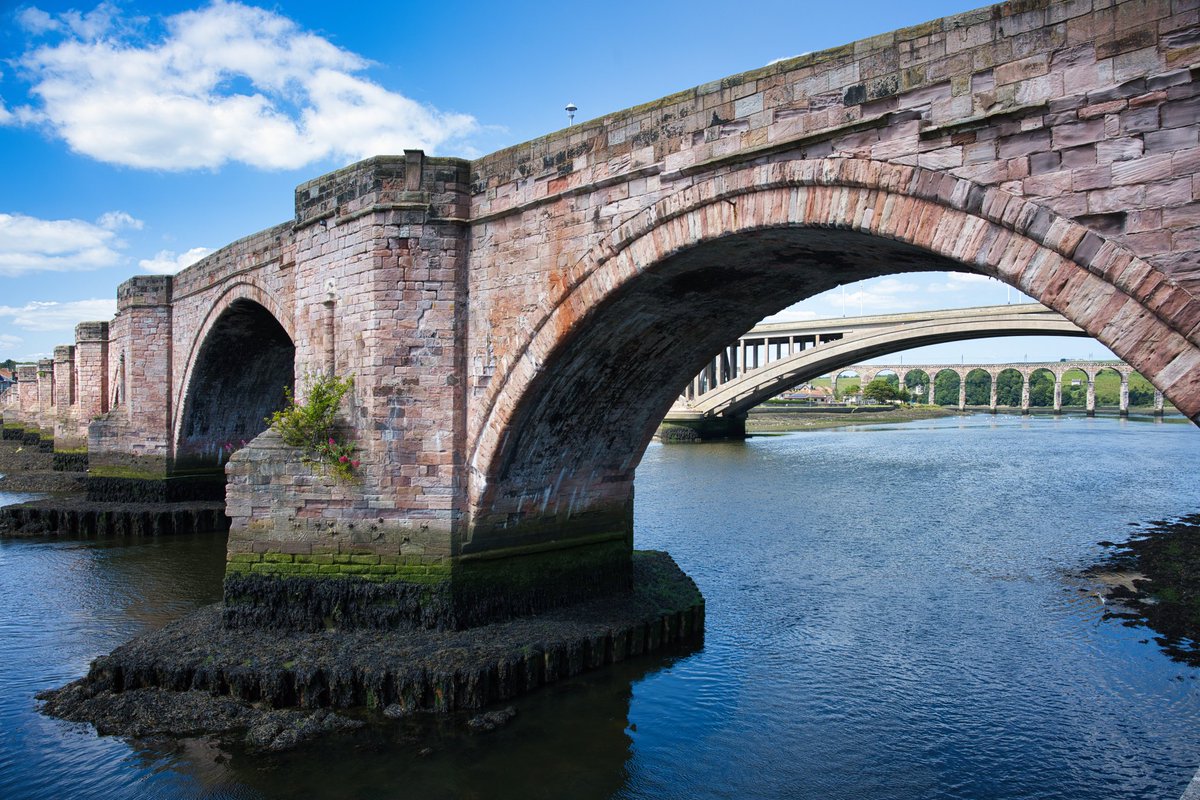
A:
[518,325]
[774,357]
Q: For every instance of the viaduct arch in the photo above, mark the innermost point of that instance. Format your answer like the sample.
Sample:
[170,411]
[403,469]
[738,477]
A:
[518,324]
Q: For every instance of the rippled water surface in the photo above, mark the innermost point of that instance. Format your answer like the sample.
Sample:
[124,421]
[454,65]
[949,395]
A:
[893,612]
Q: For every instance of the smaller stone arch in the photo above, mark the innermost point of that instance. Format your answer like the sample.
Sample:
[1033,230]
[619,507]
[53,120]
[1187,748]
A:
[1009,382]
[1105,393]
[947,392]
[919,377]
[1043,389]
[242,371]
[971,393]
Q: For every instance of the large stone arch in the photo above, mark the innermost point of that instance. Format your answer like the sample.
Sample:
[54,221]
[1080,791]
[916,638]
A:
[239,362]
[919,218]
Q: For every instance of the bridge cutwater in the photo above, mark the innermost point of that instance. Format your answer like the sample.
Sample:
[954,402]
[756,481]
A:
[518,325]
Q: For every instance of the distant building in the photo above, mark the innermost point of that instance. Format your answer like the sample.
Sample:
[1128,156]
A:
[809,394]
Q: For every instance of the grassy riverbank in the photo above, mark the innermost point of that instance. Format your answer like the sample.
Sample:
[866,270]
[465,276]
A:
[777,420]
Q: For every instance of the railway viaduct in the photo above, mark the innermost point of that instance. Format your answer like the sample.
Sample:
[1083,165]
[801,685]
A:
[518,325]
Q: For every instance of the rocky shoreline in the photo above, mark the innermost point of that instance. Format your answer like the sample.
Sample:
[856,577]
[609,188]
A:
[278,689]
[1154,580]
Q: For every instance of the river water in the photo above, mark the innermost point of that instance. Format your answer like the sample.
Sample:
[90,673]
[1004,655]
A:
[894,611]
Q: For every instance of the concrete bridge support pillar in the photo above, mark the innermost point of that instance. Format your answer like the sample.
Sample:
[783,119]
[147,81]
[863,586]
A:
[65,427]
[992,396]
[703,429]
[1124,405]
[1024,394]
[1057,394]
[91,367]
[1158,403]
[1091,397]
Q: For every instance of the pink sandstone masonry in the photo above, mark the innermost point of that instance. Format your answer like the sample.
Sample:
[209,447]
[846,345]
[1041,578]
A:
[518,325]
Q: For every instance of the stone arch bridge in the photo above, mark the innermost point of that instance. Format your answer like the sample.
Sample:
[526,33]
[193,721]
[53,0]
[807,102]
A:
[1058,369]
[519,324]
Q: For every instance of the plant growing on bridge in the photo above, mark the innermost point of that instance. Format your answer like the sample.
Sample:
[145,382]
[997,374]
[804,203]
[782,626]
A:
[311,425]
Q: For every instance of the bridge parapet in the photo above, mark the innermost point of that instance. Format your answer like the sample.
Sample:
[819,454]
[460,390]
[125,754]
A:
[1087,107]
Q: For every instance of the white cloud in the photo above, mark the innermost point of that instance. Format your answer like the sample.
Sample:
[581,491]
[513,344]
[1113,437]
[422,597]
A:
[166,262]
[883,295]
[55,316]
[227,82]
[961,282]
[115,220]
[37,22]
[8,340]
[29,244]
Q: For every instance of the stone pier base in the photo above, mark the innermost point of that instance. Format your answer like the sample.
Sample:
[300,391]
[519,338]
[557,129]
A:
[419,670]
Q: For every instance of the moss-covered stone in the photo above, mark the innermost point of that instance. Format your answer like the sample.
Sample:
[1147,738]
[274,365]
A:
[459,593]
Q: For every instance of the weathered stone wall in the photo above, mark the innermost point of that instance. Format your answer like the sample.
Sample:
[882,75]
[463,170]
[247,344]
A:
[91,366]
[134,436]
[66,428]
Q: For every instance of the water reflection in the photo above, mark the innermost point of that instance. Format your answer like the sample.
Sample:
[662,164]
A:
[889,615]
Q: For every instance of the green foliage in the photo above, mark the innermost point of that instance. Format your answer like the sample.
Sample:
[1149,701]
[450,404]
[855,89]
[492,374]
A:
[946,388]
[1008,388]
[311,425]
[1041,390]
[979,388]
[880,390]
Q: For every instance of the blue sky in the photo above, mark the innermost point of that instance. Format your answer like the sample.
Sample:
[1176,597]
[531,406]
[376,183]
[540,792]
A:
[135,137]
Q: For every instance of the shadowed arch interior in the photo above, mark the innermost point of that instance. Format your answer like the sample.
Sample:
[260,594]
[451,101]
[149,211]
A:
[242,370]
[600,398]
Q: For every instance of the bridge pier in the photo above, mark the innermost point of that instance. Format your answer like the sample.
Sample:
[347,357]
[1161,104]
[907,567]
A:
[1124,403]
[1057,394]
[1091,396]
[682,429]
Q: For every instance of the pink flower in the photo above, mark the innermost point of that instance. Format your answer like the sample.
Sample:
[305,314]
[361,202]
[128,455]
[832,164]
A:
[343,459]
[332,443]
[354,464]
